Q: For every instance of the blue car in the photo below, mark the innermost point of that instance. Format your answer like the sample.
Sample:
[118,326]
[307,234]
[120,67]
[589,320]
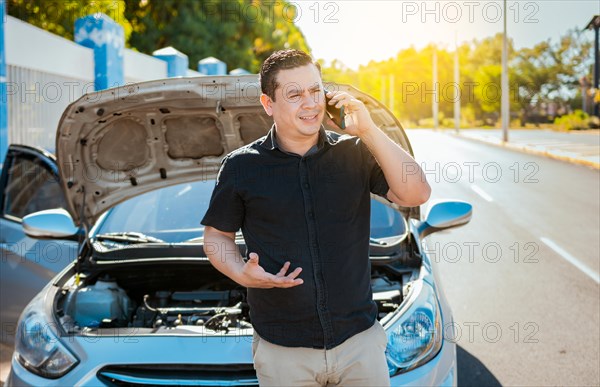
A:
[29,183]
[132,298]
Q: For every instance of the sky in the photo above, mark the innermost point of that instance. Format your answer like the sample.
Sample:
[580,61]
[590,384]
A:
[357,31]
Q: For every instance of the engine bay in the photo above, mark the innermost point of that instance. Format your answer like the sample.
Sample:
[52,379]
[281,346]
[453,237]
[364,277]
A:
[162,298]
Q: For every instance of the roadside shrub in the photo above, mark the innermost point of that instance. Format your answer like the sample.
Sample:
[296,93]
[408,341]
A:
[575,121]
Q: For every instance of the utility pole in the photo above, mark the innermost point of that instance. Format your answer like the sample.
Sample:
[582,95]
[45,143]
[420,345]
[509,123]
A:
[596,66]
[383,90]
[505,92]
[435,106]
[391,101]
[3,88]
[457,96]
[594,24]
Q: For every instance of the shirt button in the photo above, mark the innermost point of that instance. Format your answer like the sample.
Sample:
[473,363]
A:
[305,185]
[310,215]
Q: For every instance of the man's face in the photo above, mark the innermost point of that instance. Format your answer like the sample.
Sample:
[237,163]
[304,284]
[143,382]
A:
[299,104]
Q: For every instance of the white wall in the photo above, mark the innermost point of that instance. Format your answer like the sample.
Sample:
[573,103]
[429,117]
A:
[140,67]
[33,48]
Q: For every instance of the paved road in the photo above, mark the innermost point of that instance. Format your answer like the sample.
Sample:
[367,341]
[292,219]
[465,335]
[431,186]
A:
[522,276]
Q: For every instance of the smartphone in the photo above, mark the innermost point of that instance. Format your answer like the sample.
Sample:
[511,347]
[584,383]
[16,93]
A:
[336,115]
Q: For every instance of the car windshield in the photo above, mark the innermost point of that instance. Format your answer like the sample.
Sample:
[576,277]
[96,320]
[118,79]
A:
[173,214]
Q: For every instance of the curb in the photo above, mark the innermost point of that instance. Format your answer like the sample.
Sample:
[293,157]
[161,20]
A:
[529,150]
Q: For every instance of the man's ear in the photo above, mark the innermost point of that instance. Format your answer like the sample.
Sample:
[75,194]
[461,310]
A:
[265,101]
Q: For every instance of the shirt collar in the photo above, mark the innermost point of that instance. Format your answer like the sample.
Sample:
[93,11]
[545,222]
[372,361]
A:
[270,140]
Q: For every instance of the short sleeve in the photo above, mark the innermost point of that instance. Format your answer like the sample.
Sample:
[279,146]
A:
[377,182]
[226,209]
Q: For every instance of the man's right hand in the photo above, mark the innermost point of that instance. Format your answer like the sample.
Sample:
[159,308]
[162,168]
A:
[252,275]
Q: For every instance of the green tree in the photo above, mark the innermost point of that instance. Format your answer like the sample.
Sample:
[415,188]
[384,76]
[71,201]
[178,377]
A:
[59,16]
[551,70]
[238,32]
[480,71]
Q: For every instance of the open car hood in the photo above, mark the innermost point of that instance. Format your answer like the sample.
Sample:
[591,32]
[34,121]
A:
[115,144]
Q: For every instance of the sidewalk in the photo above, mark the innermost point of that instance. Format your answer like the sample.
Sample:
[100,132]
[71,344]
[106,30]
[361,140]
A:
[578,147]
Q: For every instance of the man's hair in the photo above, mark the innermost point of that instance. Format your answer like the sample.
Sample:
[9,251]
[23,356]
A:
[281,60]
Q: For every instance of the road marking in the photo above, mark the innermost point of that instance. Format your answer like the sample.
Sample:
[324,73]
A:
[571,259]
[481,193]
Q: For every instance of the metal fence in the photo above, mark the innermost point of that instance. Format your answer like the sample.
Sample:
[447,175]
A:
[36,100]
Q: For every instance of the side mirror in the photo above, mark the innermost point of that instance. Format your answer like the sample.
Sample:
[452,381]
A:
[50,224]
[444,215]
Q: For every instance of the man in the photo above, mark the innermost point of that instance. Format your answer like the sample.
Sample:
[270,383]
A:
[301,196]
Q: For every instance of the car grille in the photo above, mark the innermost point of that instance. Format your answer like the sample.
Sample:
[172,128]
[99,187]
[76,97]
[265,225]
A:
[178,375]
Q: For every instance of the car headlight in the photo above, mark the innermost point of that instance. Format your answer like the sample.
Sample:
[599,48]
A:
[414,334]
[37,345]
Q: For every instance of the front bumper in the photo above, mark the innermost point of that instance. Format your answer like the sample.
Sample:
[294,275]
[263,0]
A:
[440,371]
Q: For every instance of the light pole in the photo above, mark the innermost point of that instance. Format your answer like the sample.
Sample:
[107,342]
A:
[3,92]
[392,91]
[457,96]
[595,25]
[435,106]
[505,92]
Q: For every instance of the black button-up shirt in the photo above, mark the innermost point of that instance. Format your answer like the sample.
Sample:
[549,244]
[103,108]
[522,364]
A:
[311,210]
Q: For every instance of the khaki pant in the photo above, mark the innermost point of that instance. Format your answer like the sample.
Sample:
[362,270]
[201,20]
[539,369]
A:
[358,361]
